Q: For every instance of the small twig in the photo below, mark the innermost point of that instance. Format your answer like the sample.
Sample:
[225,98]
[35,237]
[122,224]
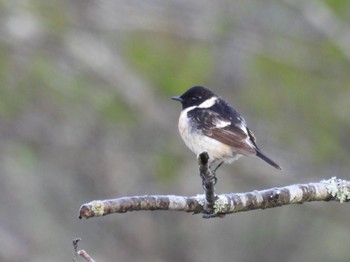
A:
[85,255]
[208,183]
[75,247]
[326,190]
[81,253]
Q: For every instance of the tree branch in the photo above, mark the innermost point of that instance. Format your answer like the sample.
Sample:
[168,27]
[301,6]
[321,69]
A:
[208,182]
[326,190]
[81,253]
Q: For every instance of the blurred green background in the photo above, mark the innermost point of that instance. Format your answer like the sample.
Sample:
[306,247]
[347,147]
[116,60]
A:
[85,114]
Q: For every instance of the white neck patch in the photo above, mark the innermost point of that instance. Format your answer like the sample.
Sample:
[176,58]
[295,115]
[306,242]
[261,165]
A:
[208,103]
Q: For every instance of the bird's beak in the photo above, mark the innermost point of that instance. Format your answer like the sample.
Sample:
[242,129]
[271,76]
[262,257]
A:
[177,98]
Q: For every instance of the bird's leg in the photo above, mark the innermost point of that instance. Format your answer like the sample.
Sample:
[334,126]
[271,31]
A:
[217,167]
[213,169]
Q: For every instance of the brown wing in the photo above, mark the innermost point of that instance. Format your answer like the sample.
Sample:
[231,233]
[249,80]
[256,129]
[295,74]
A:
[233,136]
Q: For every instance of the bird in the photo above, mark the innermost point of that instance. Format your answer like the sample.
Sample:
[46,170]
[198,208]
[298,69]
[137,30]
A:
[207,123]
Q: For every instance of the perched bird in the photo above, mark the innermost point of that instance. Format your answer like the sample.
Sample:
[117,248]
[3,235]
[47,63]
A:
[208,123]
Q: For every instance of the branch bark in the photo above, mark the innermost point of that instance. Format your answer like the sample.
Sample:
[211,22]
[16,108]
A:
[326,190]
[208,182]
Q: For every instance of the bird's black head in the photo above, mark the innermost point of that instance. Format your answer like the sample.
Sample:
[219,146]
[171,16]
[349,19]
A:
[194,96]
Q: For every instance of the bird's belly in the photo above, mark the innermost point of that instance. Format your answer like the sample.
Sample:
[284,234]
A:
[200,143]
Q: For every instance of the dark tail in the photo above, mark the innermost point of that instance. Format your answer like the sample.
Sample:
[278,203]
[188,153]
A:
[268,160]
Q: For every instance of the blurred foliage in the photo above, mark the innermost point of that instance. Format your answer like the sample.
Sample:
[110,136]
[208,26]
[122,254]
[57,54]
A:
[286,93]
[54,15]
[42,81]
[114,110]
[27,155]
[166,165]
[171,63]
[340,7]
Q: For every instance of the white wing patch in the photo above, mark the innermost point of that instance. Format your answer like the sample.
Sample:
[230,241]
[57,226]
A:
[244,128]
[222,123]
[208,103]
